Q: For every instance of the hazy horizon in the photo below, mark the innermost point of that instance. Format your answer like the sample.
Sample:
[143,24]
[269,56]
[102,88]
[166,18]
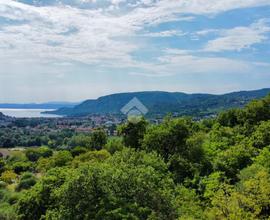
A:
[73,50]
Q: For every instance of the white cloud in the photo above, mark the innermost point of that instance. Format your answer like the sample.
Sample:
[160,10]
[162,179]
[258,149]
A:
[168,33]
[167,10]
[67,34]
[238,38]
[182,62]
[206,32]
[99,36]
[42,35]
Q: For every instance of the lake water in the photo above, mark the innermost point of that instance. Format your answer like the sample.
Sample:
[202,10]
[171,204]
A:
[27,113]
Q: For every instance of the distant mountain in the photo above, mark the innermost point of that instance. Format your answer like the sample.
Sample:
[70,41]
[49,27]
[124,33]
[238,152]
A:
[161,103]
[48,105]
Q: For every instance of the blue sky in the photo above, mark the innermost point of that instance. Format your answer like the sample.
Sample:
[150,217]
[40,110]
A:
[72,50]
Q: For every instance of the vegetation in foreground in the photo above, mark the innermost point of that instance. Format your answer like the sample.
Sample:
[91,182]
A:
[181,169]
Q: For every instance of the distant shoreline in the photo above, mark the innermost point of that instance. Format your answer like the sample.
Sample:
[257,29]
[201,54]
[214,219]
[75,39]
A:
[28,113]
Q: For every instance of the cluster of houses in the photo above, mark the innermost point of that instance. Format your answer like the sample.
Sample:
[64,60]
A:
[79,124]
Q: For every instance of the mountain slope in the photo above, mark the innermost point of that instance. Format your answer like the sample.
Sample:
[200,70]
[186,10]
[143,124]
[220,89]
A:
[160,103]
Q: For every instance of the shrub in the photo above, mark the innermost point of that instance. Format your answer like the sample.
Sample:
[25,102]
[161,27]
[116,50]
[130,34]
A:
[19,167]
[34,154]
[26,183]
[114,144]
[8,176]
[78,150]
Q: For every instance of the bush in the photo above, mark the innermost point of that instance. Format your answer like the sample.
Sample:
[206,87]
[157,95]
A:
[7,212]
[91,156]
[17,156]
[78,150]
[114,144]
[19,167]
[34,154]
[61,158]
[98,139]
[8,176]
[2,184]
[44,164]
[26,183]
[2,165]
[232,160]
[80,140]
[261,137]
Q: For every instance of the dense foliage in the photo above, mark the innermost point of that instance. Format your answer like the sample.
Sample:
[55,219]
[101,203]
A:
[179,169]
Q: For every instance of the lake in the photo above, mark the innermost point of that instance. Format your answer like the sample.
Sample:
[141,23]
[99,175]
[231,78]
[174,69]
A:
[28,113]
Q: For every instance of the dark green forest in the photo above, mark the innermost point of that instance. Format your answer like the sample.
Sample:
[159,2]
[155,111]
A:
[180,169]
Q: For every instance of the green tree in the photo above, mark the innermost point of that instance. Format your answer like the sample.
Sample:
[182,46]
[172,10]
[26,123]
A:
[188,204]
[8,176]
[33,154]
[91,156]
[256,111]
[98,139]
[2,165]
[234,159]
[229,118]
[261,136]
[249,200]
[263,158]
[22,166]
[26,181]
[78,150]
[114,144]
[133,133]
[34,203]
[80,140]
[167,138]
[61,158]
[126,186]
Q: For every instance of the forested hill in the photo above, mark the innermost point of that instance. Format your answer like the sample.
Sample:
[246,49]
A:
[213,169]
[159,102]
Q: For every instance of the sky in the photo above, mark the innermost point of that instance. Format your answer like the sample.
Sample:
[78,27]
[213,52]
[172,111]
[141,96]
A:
[72,50]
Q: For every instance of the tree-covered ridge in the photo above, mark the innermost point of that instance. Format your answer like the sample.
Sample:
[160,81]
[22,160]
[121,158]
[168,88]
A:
[159,103]
[180,169]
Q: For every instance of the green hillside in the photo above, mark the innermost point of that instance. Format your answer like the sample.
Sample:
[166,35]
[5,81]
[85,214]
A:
[179,169]
[160,103]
